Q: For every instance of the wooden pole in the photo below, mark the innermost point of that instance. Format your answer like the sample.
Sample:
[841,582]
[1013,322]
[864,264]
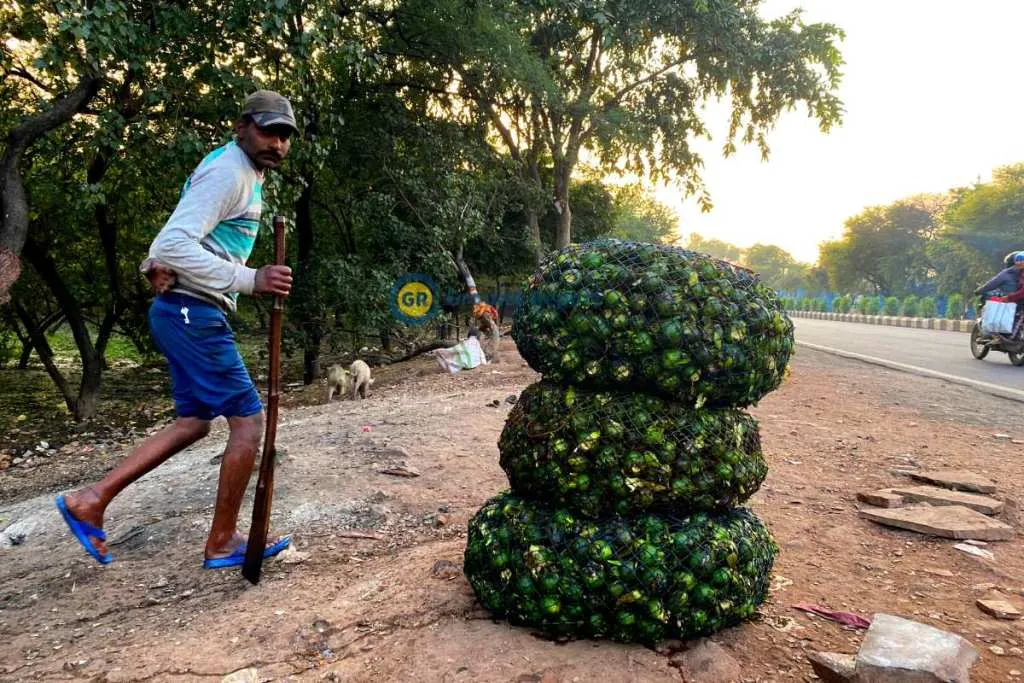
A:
[265,483]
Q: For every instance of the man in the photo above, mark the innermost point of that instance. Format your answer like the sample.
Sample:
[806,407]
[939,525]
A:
[1016,294]
[197,267]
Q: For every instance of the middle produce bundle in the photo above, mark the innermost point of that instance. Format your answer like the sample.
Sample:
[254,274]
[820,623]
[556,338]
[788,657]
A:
[627,460]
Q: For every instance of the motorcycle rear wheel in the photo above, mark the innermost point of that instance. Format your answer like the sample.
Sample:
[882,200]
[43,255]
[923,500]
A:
[979,349]
[1016,357]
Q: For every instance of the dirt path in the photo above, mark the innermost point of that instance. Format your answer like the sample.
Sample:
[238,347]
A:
[381,596]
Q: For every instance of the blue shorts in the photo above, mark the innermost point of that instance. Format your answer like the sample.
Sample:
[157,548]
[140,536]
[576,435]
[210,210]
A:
[208,376]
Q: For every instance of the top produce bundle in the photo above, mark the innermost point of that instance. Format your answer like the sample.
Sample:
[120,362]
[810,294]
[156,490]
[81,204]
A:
[616,315]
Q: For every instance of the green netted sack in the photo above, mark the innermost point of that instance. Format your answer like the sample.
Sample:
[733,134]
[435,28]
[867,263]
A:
[639,579]
[602,453]
[654,318]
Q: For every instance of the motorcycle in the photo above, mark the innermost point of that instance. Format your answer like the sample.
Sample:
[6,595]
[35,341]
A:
[982,343]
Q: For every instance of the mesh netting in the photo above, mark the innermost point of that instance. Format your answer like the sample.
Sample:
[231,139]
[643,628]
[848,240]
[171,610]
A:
[621,315]
[603,453]
[637,579]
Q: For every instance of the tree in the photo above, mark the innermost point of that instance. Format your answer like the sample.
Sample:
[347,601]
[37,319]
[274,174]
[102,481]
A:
[885,248]
[714,247]
[638,216]
[776,266]
[621,80]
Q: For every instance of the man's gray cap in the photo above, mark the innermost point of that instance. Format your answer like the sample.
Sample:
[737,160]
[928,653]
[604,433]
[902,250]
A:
[267,108]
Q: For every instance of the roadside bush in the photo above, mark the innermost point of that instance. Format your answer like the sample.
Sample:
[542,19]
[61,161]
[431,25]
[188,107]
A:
[910,307]
[872,306]
[955,307]
[892,305]
[841,304]
[927,308]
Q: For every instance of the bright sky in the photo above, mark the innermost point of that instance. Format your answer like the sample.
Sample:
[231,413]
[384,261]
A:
[934,98]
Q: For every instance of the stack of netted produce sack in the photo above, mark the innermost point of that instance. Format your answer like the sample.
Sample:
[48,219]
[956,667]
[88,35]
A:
[628,460]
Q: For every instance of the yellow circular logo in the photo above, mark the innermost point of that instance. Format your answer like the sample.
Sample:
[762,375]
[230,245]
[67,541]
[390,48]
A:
[414,299]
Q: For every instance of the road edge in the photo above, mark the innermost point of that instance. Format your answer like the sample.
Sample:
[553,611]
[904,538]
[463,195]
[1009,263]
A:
[986,387]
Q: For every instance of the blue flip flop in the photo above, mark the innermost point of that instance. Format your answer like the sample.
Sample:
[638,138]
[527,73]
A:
[237,558]
[83,531]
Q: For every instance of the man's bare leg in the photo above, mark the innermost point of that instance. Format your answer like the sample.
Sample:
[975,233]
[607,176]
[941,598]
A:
[235,471]
[88,504]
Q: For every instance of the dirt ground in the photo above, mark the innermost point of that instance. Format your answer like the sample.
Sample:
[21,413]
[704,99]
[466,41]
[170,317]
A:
[381,596]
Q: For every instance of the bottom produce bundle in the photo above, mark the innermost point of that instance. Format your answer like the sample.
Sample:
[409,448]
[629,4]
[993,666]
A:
[639,579]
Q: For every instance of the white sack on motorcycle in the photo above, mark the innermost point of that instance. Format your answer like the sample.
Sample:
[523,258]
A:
[997,317]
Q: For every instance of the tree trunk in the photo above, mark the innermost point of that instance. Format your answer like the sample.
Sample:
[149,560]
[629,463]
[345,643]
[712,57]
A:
[467,277]
[84,404]
[310,311]
[563,229]
[42,347]
[13,202]
[533,230]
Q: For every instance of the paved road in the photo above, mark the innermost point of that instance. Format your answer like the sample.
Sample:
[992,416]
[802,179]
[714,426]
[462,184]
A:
[943,352]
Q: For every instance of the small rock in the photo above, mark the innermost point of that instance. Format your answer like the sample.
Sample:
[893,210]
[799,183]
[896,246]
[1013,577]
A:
[1017,441]
[938,572]
[996,650]
[511,399]
[896,649]
[160,583]
[1001,436]
[250,675]
[444,508]
[445,569]
[400,471]
[291,555]
[1015,672]
[998,608]
[984,586]
[441,519]
[1016,651]
[493,404]
[833,667]
[706,662]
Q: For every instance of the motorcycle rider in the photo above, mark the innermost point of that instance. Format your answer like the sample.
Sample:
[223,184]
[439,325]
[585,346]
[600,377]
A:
[1011,279]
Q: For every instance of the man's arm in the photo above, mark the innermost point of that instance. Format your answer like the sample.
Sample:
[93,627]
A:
[991,284]
[211,197]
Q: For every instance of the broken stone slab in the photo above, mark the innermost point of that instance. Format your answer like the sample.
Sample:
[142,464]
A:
[952,521]
[958,480]
[896,650]
[975,550]
[833,667]
[884,498]
[939,496]
[999,608]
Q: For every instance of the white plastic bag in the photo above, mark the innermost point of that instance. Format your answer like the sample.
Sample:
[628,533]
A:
[463,356]
[997,317]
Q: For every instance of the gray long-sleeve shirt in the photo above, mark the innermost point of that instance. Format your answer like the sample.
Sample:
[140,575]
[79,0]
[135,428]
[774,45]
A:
[211,233]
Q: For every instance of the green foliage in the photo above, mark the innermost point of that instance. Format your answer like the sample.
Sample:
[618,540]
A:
[928,308]
[986,219]
[955,307]
[871,305]
[892,305]
[842,304]
[910,307]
